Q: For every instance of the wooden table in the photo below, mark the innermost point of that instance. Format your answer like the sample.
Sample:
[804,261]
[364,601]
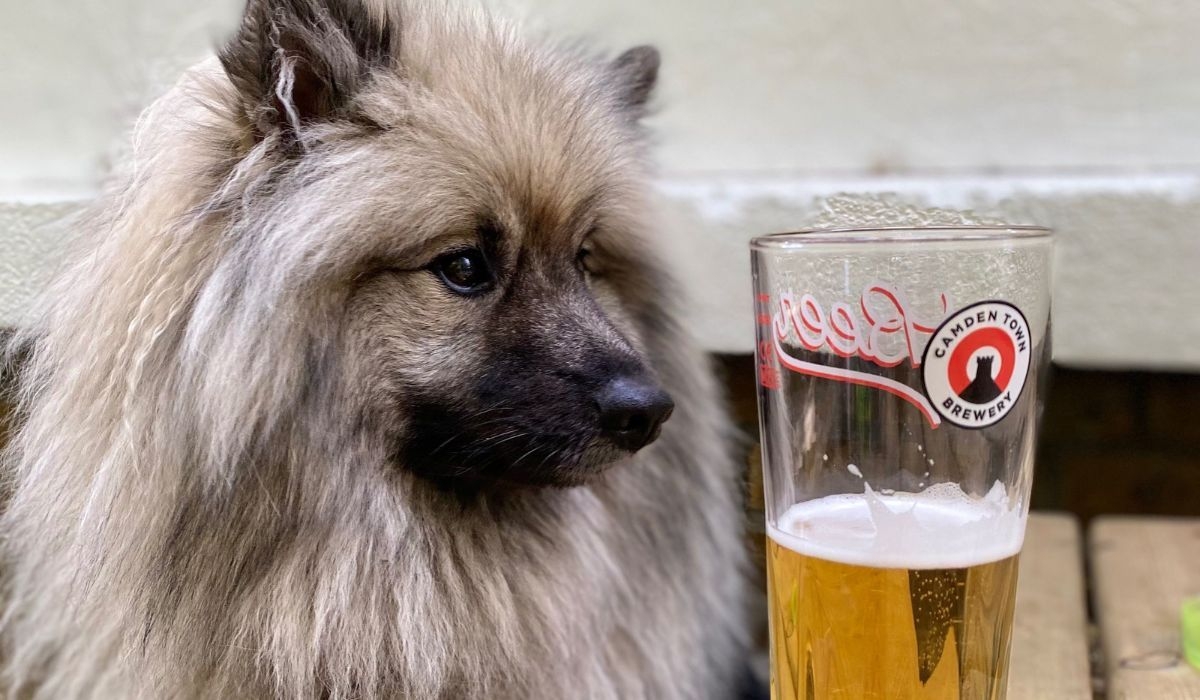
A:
[1141,570]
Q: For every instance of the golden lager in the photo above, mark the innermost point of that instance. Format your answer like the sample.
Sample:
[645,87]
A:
[893,597]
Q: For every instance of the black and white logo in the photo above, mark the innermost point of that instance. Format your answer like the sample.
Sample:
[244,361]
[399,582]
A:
[976,364]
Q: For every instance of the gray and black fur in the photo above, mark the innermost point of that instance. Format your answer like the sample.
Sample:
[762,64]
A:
[268,447]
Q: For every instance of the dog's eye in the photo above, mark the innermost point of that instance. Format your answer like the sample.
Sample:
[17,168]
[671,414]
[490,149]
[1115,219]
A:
[584,259]
[465,272]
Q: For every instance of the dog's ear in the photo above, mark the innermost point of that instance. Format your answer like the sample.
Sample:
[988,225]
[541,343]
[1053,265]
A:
[636,72]
[294,62]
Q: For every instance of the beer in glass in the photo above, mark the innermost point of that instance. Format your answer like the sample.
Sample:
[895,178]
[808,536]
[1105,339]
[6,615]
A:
[898,376]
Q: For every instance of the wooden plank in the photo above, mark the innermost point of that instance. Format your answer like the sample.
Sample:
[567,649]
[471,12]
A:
[1142,570]
[1049,647]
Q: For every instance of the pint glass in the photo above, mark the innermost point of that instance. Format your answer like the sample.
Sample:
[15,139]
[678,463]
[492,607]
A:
[899,397]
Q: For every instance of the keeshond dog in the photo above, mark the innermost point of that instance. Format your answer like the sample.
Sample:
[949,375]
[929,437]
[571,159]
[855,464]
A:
[358,387]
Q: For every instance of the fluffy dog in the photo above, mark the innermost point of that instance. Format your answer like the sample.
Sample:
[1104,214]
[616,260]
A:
[356,384]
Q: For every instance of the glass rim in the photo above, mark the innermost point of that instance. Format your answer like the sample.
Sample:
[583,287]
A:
[941,233]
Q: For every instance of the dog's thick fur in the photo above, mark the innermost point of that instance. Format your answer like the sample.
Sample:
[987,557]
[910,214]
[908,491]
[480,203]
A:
[210,494]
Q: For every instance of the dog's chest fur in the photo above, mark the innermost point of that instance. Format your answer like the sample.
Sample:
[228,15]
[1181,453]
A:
[621,589]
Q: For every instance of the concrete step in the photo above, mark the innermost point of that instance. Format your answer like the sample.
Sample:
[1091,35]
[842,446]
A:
[1126,290]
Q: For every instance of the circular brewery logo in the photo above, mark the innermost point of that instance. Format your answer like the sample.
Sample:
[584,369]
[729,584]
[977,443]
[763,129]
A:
[976,363]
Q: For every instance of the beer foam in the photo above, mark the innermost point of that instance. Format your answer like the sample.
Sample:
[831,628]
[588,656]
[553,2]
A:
[940,527]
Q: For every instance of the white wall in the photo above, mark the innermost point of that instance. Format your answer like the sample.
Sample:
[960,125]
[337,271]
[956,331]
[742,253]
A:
[772,85]
[1080,115]
[837,85]
[76,73]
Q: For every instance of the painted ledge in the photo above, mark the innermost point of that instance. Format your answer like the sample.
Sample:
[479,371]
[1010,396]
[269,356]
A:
[1127,279]
[33,228]
[1127,286]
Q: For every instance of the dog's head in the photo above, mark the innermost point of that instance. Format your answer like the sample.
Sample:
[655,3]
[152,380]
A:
[472,204]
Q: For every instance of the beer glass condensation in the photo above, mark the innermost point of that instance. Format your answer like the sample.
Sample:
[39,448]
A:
[899,373]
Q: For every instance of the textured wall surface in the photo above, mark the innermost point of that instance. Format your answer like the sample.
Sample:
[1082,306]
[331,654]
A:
[769,85]
[32,238]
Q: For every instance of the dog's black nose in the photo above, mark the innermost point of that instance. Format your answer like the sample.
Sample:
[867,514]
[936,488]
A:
[632,410]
